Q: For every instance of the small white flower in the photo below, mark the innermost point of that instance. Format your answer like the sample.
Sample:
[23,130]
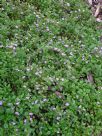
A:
[2,9]
[31,119]
[37,73]
[27,97]
[17,103]
[37,88]
[16,26]
[98,103]
[79,41]
[17,113]
[68,4]
[29,90]
[50,42]
[36,102]
[98,20]
[62,79]
[71,53]
[54,37]
[65,63]
[58,118]
[83,58]
[15,44]
[24,86]
[51,79]
[40,72]
[96,48]
[58,132]
[44,100]
[80,107]
[26,38]
[56,49]
[37,25]
[87,62]
[66,46]
[62,18]
[37,16]
[53,108]
[17,69]
[21,13]
[79,10]
[45,62]
[67,104]
[57,79]
[30,114]
[63,54]
[47,29]
[82,45]
[60,96]
[28,69]
[13,123]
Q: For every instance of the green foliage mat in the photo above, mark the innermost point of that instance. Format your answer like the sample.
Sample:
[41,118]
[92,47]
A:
[50,69]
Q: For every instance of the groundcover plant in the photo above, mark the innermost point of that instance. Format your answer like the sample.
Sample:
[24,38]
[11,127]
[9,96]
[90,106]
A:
[50,69]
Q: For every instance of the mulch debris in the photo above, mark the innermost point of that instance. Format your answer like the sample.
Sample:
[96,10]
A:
[96,8]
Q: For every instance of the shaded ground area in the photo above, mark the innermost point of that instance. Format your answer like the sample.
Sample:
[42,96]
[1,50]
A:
[96,8]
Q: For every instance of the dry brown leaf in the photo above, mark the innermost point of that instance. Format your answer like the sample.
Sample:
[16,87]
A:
[90,2]
[97,10]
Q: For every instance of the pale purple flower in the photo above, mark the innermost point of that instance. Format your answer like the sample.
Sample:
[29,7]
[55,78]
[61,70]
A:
[17,113]
[31,114]
[1,103]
